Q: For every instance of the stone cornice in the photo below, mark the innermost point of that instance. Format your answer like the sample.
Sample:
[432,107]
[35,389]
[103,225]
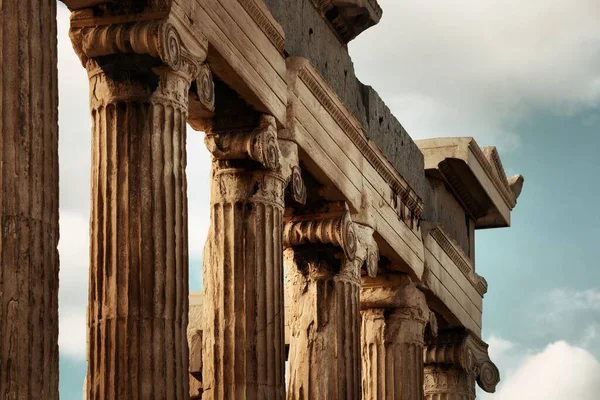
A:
[334,106]
[462,348]
[476,177]
[263,18]
[459,258]
[499,180]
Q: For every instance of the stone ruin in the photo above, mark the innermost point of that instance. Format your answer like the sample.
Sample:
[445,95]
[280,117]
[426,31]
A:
[337,242]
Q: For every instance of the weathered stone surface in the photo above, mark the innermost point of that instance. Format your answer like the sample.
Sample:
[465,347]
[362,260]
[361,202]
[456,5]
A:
[243,351]
[140,78]
[309,35]
[454,360]
[394,315]
[28,200]
[323,284]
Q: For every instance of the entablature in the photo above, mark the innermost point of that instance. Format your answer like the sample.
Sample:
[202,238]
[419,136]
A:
[452,285]
[475,176]
[336,151]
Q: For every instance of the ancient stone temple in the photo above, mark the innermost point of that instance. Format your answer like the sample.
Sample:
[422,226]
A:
[340,262]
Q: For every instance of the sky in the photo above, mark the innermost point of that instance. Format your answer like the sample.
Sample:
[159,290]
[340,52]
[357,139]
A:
[524,76]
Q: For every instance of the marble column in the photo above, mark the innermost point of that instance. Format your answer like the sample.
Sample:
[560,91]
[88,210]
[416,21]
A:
[454,361]
[243,352]
[323,282]
[28,200]
[394,315]
[140,76]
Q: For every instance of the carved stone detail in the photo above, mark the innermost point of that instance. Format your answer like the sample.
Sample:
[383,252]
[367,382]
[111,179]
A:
[462,261]
[394,316]
[316,84]
[259,145]
[243,268]
[324,318]
[338,231]
[448,383]
[260,15]
[140,77]
[464,350]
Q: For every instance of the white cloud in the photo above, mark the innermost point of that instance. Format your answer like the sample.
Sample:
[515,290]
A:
[74,256]
[562,300]
[464,68]
[560,371]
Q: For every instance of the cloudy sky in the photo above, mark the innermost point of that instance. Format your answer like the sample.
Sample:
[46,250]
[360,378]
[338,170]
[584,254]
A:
[524,76]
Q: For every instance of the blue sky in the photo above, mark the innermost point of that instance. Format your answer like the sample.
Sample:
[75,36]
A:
[524,77]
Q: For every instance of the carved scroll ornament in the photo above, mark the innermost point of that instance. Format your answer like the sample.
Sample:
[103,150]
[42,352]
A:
[464,349]
[260,145]
[338,231]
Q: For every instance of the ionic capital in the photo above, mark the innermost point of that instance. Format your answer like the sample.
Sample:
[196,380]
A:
[163,39]
[291,171]
[462,348]
[322,229]
[259,145]
[395,291]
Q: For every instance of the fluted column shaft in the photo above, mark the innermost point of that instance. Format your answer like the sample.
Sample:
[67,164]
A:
[243,352]
[394,317]
[138,295]
[324,318]
[325,335]
[448,383]
[28,200]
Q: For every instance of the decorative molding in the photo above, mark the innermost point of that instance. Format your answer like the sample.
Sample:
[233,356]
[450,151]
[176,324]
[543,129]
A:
[338,231]
[160,39]
[319,88]
[297,187]
[458,257]
[500,182]
[462,348]
[259,145]
[461,192]
[265,22]
[205,87]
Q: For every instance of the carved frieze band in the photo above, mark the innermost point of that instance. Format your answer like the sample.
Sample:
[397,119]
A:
[460,259]
[265,21]
[338,231]
[259,145]
[462,348]
[316,84]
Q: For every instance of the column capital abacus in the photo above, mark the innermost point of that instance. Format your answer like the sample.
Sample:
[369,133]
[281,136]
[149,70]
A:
[463,349]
